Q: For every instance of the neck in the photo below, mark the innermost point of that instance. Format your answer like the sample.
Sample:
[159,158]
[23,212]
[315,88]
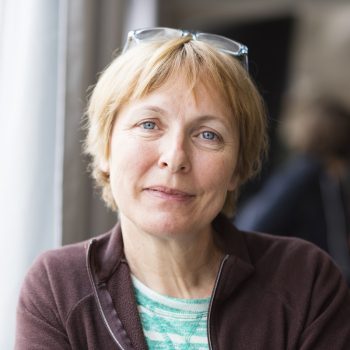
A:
[183,267]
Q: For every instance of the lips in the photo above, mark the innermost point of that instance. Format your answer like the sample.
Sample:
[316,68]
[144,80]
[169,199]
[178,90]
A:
[168,192]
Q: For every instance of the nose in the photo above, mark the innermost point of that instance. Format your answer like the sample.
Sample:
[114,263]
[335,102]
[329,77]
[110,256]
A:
[174,155]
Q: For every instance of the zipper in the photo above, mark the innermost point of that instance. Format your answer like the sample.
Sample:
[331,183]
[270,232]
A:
[212,299]
[88,256]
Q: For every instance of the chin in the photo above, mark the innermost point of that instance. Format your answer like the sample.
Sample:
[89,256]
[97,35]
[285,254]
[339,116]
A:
[172,227]
[166,228]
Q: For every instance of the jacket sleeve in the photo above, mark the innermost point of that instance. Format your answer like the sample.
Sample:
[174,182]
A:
[39,324]
[328,317]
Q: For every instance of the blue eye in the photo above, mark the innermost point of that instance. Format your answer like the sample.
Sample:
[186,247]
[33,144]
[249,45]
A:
[148,125]
[209,135]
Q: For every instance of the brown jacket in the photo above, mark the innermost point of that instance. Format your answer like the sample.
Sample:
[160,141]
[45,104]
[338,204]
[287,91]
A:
[271,293]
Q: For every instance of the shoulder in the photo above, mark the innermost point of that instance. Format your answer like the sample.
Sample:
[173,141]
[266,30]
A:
[57,280]
[308,283]
[265,246]
[57,260]
[57,287]
[299,273]
[60,263]
[277,254]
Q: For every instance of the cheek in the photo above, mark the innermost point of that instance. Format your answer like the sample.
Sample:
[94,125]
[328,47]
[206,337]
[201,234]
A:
[123,148]
[129,161]
[217,175]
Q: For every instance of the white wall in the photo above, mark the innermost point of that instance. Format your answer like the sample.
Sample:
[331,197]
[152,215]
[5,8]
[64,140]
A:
[28,92]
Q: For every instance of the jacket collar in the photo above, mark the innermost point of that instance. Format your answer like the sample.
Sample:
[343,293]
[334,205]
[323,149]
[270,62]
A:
[238,266]
[109,252]
[111,283]
[230,240]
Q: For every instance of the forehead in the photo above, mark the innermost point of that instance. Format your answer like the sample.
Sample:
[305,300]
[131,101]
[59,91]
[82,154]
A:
[202,90]
[179,94]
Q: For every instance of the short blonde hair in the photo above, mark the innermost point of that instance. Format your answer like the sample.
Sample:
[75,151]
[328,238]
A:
[147,67]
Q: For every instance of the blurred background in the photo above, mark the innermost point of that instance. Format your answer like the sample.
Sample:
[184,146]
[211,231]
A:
[51,51]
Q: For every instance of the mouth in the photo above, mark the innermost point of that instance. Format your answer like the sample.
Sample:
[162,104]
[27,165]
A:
[169,193]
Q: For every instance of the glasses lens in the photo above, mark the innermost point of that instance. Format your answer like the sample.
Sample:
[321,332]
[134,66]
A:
[222,43]
[157,33]
[226,45]
[150,34]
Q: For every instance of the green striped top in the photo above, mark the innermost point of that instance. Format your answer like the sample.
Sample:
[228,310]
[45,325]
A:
[172,323]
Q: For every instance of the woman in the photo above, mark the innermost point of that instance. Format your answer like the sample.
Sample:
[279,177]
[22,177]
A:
[175,126]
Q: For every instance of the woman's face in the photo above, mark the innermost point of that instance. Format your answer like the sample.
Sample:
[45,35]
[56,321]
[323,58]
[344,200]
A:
[172,160]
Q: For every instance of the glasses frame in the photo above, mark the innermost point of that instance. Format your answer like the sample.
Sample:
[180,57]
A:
[221,43]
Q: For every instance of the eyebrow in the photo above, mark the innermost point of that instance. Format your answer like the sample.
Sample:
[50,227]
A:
[151,108]
[203,118]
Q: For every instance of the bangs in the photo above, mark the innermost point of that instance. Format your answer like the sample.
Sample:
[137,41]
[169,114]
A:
[193,61]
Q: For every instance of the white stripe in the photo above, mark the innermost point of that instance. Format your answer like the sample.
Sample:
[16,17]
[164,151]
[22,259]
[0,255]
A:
[177,303]
[170,314]
[175,338]
[144,310]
